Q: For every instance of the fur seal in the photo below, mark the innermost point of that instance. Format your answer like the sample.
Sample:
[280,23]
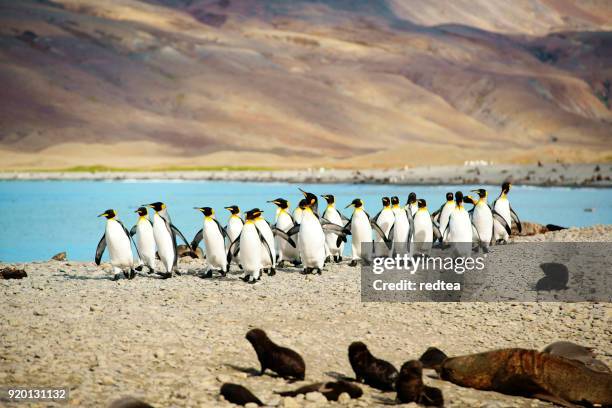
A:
[129,402]
[237,394]
[531,374]
[331,390]
[370,370]
[283,361]
[576,352]
[12,273]
[410,387]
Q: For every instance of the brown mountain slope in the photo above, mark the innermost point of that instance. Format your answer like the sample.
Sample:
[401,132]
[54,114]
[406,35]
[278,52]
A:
[283,84]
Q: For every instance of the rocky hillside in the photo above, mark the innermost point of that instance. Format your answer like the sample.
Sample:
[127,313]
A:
[128,83]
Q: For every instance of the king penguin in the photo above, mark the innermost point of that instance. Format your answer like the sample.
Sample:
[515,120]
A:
[411,204]
[234,227]
[423,230]
[483,218]
[311,238]
[145,241]
[502,206]
[385,219]
[284,222]
[401,228]
[249,243]
[214,241]
[165,238]
[118,240]
[459,229]
[268,252]
[360,226]
[444,212]
[331,238]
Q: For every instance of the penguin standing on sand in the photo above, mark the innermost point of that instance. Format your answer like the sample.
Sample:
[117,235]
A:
[145,241]
[311,238]
[401,228]
[385,219]
[459,228]
[360,227]
[249,243]
[284,222]
[165,238]
[234,227]
[502,206]
[444,212]
[214,241]
[331,238]
[119,242]
[268,252]
[483,218]
[424,230]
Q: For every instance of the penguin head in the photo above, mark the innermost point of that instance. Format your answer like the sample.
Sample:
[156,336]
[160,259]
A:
[234,209]
[482,193]
[468,199]
[357,203]
[411,198]
[142,211]
[459,198]
[421,203]
[395,201]
[108,214]
[281,203]
[506,187]
[253,214]
[449,196]
[157,206]
[386,201]
[329,198]
[310,198]
[207,211]
[303,204]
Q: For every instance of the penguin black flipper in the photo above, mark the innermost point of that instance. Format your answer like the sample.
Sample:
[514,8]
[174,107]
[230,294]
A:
[197,239]
[381,233]
[221,229]
[293,230]
[100,249]
[179,233]
[437,213]
[375,219]
[497,216]
[411,223]
[516,219]
[475,229]
[280,233]
[133,231]
[236,245]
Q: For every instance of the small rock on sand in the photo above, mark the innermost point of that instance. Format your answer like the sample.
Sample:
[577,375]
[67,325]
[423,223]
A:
[59,257]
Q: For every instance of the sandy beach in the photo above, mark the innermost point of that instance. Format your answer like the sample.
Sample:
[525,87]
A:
[572,175]
[173,342]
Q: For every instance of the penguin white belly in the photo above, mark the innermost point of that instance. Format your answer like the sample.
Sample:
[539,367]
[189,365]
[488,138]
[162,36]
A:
[483,221]
[145,241]
[118,243]
[216,256]
[163,240]
[502,207]
[285,251]
[234,226]
[311,242]
[250,250]
[460,227]
[445,214]
[423,228]
[400,231]
[332,215]
[269,237]
[361,230]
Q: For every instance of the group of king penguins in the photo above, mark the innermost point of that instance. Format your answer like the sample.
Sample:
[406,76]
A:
[306,237]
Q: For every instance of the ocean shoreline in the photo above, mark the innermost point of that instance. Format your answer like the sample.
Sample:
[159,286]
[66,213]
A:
[546,175]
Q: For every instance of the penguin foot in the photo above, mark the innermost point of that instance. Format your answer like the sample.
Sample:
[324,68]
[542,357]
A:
[115,277]
[139,268]
[207,274]
[151,270]
[296,263]
[305,271]
[223,273]
[317,271]
[272,272]
[245,278]
[328,258]
[132,274]
[486,250]
[165,275]
[353,263]
[264,270]
[252,281]
[126,274]
[178,272]
[338,258]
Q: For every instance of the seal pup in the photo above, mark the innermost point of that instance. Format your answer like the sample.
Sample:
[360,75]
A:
[237,394]
[129,402]
[283,361]
[576,352]
[331,390]
[410,387]
[530,374]
[370,370]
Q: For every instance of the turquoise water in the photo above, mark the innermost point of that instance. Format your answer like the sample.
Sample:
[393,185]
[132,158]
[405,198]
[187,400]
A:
[41,218]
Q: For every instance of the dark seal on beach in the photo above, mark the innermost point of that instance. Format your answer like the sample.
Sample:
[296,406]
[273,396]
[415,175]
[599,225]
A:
[432,358]
[12,273]
[129,402]
[282,360]
[410,387]
[531,374]
[331,390]
[370,370]
[237,394]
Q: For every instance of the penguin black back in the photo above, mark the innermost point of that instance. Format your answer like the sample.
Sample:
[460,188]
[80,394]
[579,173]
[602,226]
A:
[237,394]
[282,360]
[370,370]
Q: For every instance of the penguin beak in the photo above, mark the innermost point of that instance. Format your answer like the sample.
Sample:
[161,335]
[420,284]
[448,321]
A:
[102,215]
[350,205]
[303,192]
[199,209]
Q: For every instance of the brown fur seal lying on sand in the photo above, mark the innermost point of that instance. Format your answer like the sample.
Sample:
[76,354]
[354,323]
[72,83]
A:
[331,390]
[527,373]
[239,395]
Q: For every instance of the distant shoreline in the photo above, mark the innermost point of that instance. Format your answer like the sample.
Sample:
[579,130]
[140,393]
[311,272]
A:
[547,175]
